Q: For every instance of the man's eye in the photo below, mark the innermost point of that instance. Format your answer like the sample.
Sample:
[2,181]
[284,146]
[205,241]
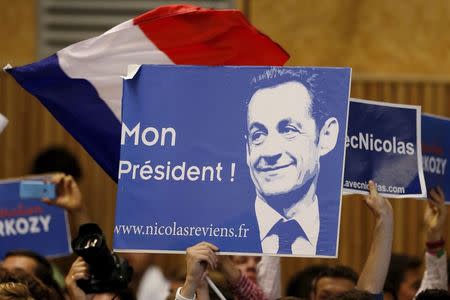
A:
[257,137]
[289,131]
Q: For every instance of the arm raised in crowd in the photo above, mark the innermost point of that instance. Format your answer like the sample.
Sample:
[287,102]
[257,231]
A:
[376,267]
[198,258]
[435,275]
[70,198]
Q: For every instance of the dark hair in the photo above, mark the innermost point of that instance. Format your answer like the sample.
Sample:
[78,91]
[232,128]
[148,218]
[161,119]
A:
[57,159]
[301,284]
[36,288]
[43,270]
[396,274]
[354,295]
[337,272]
[433,294]
[272,77]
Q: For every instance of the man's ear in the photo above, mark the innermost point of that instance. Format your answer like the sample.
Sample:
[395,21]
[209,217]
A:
[328,136]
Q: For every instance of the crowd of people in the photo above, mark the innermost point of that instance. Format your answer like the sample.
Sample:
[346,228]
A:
[208,275]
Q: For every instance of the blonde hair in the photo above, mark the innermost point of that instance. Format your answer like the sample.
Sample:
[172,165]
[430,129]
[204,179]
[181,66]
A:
[14,291]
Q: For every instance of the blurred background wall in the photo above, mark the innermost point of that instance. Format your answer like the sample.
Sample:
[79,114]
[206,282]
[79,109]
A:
[399,52]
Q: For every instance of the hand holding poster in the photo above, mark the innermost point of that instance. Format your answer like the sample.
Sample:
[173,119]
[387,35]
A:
[436,152]
[231,155]
[383,144]
[30,224]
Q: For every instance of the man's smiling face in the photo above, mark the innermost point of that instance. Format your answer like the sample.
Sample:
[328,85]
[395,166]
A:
[282,143]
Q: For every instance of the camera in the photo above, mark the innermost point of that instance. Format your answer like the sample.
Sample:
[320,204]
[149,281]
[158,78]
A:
[109,272]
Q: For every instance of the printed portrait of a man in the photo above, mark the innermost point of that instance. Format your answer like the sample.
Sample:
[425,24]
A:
[289,129]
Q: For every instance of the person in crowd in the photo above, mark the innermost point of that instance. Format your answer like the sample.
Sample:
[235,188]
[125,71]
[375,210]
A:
[334,281]
[302,283]
[264,271]
[34,286]
[404,277]
[80,270]
[202,257]
[376,266]
[57,159]
[435,275]
[34,264]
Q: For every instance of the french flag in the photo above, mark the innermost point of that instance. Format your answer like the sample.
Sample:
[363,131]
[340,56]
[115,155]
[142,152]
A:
[81,85]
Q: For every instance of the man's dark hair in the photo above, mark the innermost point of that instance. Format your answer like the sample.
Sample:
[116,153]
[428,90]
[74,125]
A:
[338,271]
[301,284]
[57,159]
[399,265]
[320,111]
[433,294]
[43,270]
[354,295]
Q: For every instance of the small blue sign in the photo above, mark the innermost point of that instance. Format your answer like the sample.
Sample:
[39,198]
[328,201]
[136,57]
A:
[30,224]
[383,144]
[247,158]
[436,152]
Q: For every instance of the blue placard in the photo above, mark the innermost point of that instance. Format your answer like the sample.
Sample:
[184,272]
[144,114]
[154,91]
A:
[30,224]
[229,155]
[383,144]
[436,152]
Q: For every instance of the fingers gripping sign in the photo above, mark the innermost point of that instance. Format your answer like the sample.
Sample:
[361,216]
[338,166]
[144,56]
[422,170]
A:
[199,258]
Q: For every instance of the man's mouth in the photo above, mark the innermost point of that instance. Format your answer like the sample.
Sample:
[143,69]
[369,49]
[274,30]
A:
[272,168]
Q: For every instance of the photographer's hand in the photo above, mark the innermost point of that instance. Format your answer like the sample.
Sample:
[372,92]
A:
[69,197]
[198,258]
[78,270]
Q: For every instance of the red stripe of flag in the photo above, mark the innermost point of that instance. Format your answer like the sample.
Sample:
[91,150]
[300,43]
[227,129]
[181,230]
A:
[197,36]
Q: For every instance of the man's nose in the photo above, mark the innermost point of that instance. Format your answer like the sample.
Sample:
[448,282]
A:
[271,148]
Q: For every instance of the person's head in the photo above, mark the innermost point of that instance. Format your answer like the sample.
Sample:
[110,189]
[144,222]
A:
[57,159]
[288,129]
[334,281]
[29,261]
[14,291]
[247,265]
[302,283]
[403,278]
[32,263]
[433,294]
[35,287]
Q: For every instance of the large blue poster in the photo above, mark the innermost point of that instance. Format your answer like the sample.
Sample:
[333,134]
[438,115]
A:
[436,151]
[247,158]
[383,144]
[30,224]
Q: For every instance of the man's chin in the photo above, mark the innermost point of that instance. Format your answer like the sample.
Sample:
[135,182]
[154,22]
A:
[276,191]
